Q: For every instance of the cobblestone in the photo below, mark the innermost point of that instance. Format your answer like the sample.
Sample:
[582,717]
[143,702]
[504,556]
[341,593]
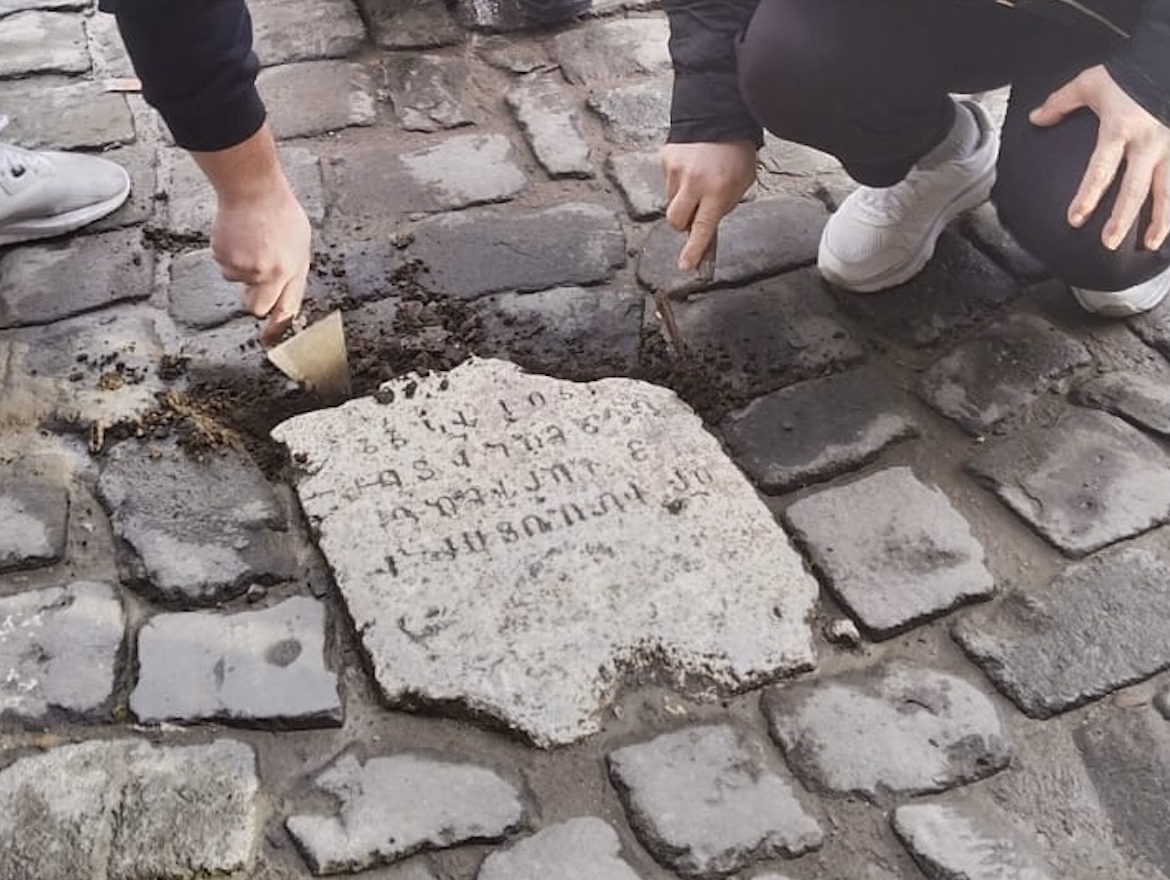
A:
[1137,398]
[315,97]
[34,513]
[581,847]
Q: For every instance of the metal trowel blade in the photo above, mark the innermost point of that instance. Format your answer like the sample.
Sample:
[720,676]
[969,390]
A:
[317,358]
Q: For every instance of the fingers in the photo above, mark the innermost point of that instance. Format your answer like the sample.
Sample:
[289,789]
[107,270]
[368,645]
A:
[1058,105]
[283,313]
[1159,228]
[702,233]
[1099,173]
[1131,195]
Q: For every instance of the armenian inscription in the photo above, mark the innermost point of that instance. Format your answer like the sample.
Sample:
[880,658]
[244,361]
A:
[516,544]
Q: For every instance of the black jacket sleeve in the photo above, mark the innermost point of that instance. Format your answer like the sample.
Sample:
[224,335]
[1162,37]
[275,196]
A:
[1141,64]
[197,67]
[706,105]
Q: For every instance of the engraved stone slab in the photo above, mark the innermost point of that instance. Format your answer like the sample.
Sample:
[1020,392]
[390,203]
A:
[1100,625]
[515,543]
[391,807]
[582,847]
[58,649]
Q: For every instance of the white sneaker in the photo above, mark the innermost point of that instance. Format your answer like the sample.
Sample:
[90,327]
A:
[46,193]
[1123,303]
[882,237]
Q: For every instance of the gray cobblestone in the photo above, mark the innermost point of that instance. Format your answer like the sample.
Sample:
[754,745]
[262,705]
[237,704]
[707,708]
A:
[613,50]
[707,802]
[141,164]
[639,177]
[581,847]
[75,116]
[416,24]
[314,97]
[305,30]
[1133,396]
[892,548]
[637,114]
[546,112]
[199,296]
[431,92]
[34,512]
[1097,627]
[1083,482]
[42,42]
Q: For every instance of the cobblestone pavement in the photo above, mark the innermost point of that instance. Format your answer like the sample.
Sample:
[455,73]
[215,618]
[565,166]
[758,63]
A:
[895,604]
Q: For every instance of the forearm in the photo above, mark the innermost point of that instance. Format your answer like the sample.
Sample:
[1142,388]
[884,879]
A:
[197,67]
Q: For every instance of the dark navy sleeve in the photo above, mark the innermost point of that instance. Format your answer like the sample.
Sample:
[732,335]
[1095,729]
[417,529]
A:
[706,105]
[1141,65]
[197,67]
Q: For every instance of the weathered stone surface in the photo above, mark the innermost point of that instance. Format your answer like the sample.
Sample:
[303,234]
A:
[572,332]
[997,374]
[192,531]
[707,802]
[911,731]
[140,162]
[106,47]
[305,30]
[983,226]
[1099,626]
[199,295]
[636,114]
[794,160]
[769,334]
[34,513]
[9,6]
[759,238]
[581,847]
[45,282]
[547,113]
[539,538]
[1083,482]
[892,549]
[613,50]
[314,97]
[67,117]
[956,843]
[231,353]
[1135,397]
[1162,703]
[464,170]
[448,804]
[266,665]
[58,650]
[128,810]
[96,370]
[431,92]
[958,288]
[474,253]
[1128,756]
[817,429]
[42,42]
[410,24]
[638,175]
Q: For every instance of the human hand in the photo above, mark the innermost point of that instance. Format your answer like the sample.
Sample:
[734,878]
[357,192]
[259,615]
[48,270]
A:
[265,243]
[1127,132]
[704,181]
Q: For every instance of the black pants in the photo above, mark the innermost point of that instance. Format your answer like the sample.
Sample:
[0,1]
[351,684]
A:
[869,81]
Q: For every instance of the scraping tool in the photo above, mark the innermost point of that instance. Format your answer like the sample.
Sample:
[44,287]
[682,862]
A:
[317,358]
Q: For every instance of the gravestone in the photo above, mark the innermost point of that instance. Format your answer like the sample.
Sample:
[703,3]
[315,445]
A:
[515,545]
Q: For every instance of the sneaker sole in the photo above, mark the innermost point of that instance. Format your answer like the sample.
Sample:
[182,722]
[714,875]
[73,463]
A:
[1120,309]
[50,227]
[972,197]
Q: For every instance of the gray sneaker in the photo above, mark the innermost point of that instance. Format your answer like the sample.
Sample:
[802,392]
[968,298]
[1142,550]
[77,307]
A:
[44,193]
[1123,303]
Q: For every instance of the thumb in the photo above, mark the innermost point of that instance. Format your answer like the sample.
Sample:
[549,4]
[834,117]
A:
[1058,105]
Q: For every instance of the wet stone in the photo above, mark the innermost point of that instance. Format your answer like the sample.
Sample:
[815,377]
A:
[706,801]
[997,374]
[458,172]
[34,513]
[410,24]
[957,289]
[817,429]
[266,665]
[770,334]
[315,97]
[448,804]
[67,117]
[305,30]
[959,843]
[638,176]
[487,250]
[58,650]
[1128,757]
[892,549]
[759,238]
[188,530]
[1137,398]
[1099,626]
[581,847]
[547,113]
[42,42]
[539,539]
[130,810]
[613,50]
[200,297]
[911,731]
[42,283]
[637,114]
[431,92]
[573,332]
[1086,481]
